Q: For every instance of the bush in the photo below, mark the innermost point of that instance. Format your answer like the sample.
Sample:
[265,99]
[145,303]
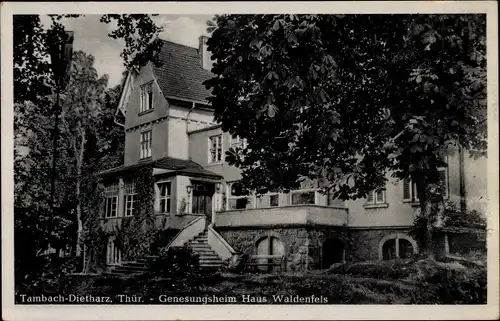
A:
[162,239]
[451,282]
[373,269]
[175,262]
[454,217]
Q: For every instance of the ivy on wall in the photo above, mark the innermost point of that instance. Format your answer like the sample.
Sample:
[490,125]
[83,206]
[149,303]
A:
[95,239]
[135,234]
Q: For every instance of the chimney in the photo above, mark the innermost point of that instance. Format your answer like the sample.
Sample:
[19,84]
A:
[205,55]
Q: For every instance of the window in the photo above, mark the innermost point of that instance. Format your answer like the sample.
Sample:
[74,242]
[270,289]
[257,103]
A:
[274,200]
[146,140]
[409,191]
[303,197]
[130,198]
[147,97]
[238,197]
[397,247]
[375,197]
[111,202]
[410,188]
[236,141]
[216,149]
[164,192]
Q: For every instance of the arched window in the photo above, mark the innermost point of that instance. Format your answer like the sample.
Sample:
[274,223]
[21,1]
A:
[389,250]
[269,245]
[397,246]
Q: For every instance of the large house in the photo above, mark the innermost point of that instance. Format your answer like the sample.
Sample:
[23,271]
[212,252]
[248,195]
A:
[170,128]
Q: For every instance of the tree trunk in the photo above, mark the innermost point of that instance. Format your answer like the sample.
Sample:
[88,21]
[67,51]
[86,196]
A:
[79,163]
[432,212]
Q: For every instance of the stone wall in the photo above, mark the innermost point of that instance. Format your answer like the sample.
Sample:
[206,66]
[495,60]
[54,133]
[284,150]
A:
[365,243]
[303,246]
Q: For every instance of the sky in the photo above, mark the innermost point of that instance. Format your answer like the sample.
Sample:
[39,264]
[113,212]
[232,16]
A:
[91,36]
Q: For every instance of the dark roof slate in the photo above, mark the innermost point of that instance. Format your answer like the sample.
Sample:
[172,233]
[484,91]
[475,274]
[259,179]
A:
[170,163]
[180,73]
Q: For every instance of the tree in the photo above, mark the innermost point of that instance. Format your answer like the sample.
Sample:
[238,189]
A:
[82,109]
[346,98]
[34,114]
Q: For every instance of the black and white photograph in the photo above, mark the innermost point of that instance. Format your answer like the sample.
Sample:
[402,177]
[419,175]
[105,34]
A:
[250,157]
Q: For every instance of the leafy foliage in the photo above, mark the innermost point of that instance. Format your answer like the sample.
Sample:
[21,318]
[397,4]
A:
[454,217]
[90,140]
[175,262]
[140,34]
[342,99]
[137,233]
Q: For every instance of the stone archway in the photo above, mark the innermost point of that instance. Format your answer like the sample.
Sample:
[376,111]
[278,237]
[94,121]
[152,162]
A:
[397,246]
[269,245]
[332,251]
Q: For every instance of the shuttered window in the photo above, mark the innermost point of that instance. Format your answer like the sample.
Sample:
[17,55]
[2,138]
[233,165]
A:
[443,181]
[410,188]
[409,191]
[376,197]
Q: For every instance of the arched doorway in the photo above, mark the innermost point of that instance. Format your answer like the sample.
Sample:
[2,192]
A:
[333,252]
[269,245]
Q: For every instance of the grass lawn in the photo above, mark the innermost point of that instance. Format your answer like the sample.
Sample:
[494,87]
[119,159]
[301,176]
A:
[364,283]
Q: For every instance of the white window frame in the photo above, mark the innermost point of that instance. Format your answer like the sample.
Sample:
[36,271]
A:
[146,145]
[308,190]
[274,194]
[446,191]
[413,188]
[237,141]
[115,211]
[374,200]
[111,192]
[146,100]
[229,197]
[219,146]
[129,199]
[167,197]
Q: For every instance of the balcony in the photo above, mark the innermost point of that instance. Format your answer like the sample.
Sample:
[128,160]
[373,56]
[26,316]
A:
[294,215]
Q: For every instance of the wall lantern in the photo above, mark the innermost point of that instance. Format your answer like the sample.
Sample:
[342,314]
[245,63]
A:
[189,188]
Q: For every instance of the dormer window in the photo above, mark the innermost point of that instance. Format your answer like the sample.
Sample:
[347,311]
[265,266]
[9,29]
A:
[147,97]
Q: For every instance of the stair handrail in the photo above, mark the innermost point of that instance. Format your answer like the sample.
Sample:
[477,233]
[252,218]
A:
[230,251]
[193,221]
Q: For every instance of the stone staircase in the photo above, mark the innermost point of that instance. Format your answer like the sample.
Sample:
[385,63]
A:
[128,268]
[209,260]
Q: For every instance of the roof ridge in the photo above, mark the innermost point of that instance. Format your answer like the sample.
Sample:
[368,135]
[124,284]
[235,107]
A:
[179,44]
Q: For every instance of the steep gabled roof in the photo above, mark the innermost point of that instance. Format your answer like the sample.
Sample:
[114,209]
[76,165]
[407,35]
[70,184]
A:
[178,166]
[180,73]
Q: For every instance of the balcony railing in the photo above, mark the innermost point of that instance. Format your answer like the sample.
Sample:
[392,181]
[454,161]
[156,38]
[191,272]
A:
[312,215]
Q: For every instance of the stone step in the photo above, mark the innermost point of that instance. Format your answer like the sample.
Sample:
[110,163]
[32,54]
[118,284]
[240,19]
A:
[210,262]
[200,246]
[128,269]
[204,255]
[210,266]
[194,243]
[135,265]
